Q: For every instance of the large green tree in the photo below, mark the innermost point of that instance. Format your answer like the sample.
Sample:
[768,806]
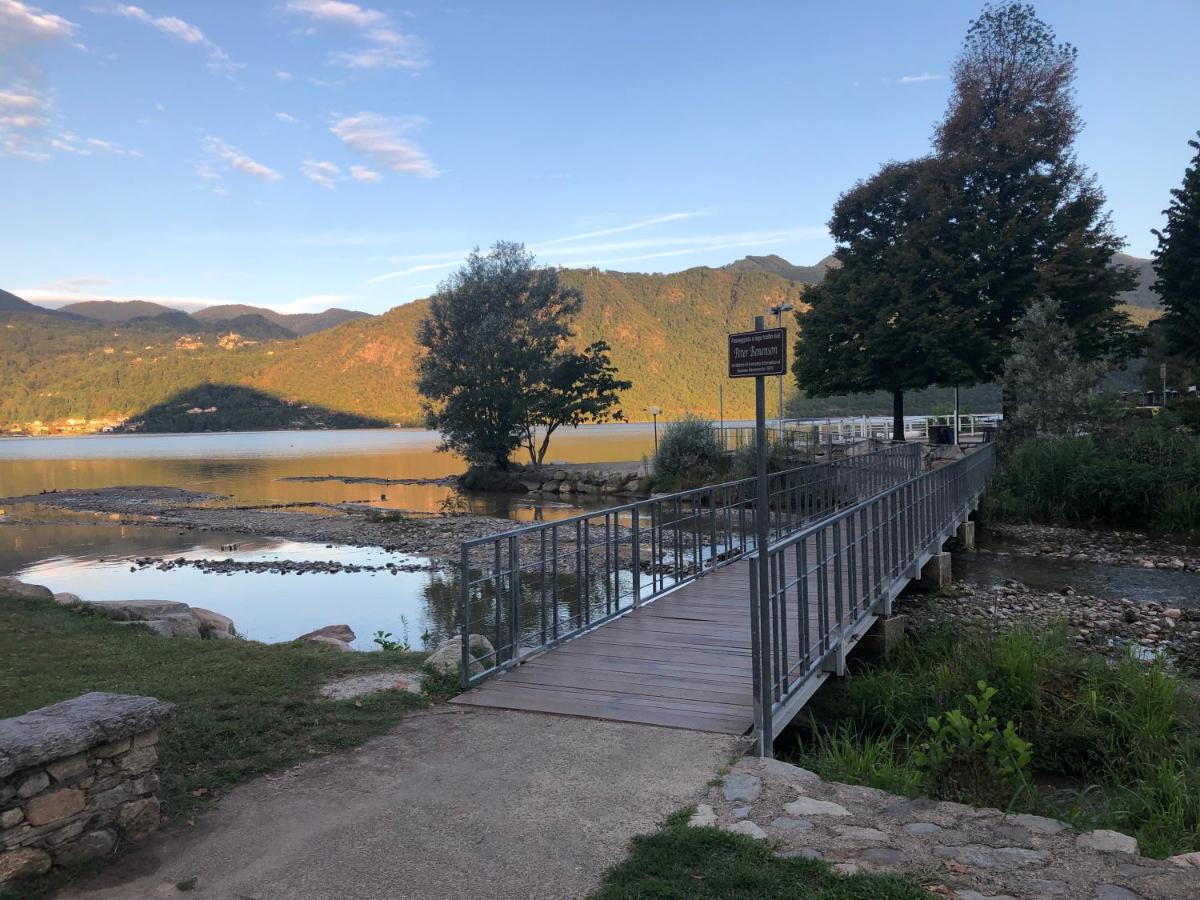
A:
[881,320]
[1177,264]
[498,369]
[1022,218]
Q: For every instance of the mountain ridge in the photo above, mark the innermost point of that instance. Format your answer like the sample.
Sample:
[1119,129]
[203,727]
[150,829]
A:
[667,334]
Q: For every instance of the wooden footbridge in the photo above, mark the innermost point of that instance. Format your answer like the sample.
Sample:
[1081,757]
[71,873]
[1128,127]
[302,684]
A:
[652,612]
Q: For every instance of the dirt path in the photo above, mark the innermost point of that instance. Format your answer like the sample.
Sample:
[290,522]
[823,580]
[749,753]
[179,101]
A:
[451,804]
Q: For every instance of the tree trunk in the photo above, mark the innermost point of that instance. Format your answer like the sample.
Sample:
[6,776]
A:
[898,416]
[1008,404]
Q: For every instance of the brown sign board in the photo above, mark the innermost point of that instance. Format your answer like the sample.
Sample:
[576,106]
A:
[757,353]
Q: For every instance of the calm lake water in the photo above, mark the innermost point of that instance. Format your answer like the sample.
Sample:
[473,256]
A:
[92,559]
[249,465]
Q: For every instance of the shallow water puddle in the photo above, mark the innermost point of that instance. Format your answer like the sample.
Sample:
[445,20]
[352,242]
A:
[264,605]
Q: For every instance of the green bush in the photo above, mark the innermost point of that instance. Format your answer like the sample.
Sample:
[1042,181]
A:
[971,756]
[1124,735]
[1132,473]
[745,459]
[688,455]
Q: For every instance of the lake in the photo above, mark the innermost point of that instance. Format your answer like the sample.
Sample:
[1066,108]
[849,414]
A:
[92,558]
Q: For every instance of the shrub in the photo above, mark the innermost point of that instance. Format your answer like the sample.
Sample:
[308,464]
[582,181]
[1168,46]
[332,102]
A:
[688,455]
[1125,735]
[1130,473]
[745,459]
[971,756]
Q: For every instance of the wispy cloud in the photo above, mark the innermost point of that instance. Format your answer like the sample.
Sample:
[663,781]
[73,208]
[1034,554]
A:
[31,128]
[284,76]
[583,250]
[286,117]
[319,172]
[412,270]
[383,139]
[386,47]
[21,23]
[221,153]
[917,79]
[175,27]
[364,173]
[632,226]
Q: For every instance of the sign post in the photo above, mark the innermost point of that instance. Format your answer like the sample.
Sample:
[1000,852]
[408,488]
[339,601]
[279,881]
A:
[759,354]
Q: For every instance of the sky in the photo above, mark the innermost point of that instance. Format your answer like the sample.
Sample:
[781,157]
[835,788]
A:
[301,154]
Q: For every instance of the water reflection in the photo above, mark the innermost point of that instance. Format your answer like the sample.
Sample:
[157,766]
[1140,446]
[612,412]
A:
[249,466]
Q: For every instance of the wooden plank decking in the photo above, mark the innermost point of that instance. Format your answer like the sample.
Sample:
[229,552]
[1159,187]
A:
[682,661]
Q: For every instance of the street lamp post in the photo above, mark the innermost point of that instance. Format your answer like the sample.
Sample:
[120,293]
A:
[654,411]
[778,310]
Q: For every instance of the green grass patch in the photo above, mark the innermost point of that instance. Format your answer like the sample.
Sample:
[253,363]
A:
[707,863]
[244,708]
[1112,746]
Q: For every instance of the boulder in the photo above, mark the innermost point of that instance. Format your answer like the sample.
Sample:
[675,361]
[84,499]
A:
[331,641]
[139,610]
[213,624]
[65,599]
[16,589]
[338,632]
[448,655]
[172,626]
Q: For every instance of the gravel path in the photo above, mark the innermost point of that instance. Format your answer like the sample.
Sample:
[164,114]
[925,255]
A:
[453,803]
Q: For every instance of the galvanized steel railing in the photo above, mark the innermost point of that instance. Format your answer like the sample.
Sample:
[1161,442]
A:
[799,442]
[825,579]
[533,587]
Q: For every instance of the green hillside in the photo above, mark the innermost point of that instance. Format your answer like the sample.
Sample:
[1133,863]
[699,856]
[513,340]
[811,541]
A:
[667,333]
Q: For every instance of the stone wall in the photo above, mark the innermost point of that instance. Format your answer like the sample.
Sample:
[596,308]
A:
[77,780]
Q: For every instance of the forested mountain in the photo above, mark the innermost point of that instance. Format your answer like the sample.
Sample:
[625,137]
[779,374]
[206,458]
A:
[114,311]
[256,322]
[667,333]
[1143,295]
[777,265]
[296,323]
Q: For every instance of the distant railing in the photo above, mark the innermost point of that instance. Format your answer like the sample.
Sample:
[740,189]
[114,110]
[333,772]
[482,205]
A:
[845,428]
[534,587]
[826,578]
[800,443]
[807,438]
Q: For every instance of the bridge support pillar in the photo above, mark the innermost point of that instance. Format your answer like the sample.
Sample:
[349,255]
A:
[882,639]
[965,537]
[935,575]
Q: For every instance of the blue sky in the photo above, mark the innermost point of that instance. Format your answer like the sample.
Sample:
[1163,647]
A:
[307,153]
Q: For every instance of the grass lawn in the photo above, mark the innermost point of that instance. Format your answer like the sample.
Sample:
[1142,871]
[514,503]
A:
[244,708]
[702,863]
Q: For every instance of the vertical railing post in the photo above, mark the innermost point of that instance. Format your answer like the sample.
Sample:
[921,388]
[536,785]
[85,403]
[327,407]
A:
[636,557]
[514,598]
[464,578]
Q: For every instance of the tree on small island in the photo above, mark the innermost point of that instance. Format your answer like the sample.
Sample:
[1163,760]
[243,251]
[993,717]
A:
[499,371]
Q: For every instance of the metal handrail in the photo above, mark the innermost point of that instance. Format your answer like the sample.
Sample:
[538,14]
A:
[826,578]
[538,585]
